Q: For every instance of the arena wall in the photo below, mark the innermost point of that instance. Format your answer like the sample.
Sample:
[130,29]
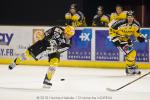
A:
[91,47]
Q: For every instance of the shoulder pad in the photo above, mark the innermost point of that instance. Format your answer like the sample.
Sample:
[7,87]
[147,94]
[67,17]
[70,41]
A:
[136,23]
[118,23]
[105,16]
[58,29]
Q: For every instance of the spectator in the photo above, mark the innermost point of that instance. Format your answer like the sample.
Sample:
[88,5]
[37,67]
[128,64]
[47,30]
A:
[74,17]
[118,15]
[100,19]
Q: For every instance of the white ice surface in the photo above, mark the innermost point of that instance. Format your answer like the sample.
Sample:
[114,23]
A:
[25,83]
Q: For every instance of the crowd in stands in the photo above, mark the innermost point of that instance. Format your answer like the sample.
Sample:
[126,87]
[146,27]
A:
[76,18]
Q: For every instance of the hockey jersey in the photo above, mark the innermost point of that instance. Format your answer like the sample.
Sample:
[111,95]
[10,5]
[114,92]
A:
[76,20]
[55,37]
[123,30]
[115,16]
[100,21]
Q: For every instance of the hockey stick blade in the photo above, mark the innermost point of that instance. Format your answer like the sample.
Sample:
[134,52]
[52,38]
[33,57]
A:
[109,89]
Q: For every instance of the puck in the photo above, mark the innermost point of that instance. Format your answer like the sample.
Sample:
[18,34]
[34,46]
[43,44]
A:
[62,79]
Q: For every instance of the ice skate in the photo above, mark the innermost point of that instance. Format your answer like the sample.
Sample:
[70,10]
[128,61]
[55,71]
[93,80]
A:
[132,70]
[47,83]
[11,66]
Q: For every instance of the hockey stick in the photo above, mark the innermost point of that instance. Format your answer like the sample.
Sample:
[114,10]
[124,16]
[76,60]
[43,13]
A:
[117,89]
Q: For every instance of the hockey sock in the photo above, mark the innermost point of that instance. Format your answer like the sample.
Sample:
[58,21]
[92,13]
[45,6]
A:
[50,72]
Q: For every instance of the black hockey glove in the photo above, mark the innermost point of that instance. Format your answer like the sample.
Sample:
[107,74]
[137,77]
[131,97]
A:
[141,39]
[129,42]
[116,41]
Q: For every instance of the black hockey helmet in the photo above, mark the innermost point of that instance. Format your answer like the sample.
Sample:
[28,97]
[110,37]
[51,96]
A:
[130,13]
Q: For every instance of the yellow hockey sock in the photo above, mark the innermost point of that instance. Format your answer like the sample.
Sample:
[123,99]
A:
[18,60]
[50,72]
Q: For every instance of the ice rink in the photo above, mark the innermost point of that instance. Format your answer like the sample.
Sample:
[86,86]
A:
[25,83]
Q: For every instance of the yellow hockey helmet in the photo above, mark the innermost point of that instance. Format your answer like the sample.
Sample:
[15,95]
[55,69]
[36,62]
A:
[69,30]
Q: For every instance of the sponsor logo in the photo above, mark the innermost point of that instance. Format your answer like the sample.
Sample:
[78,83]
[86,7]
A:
[81,45]
[38,34]
[6,52]
[84,38]
[5,38]
[105,50]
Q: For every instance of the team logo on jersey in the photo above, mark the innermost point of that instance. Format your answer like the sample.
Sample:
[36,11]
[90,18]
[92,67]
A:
[38,34]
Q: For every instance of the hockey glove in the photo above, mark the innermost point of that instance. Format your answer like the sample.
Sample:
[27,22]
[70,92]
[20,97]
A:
[130,42]
[141,39]
[116,41]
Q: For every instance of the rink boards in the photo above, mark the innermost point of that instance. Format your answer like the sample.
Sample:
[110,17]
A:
[91,47]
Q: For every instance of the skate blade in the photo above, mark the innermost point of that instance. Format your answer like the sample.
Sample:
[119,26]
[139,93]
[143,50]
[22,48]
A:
[47,86]
[111,90]
[128,74]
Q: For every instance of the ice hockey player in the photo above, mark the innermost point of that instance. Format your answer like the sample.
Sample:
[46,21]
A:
[56,41]
[100,19]
[74,17]
[120,33]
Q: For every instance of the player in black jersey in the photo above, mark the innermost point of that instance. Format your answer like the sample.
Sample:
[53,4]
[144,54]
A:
[56,41]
